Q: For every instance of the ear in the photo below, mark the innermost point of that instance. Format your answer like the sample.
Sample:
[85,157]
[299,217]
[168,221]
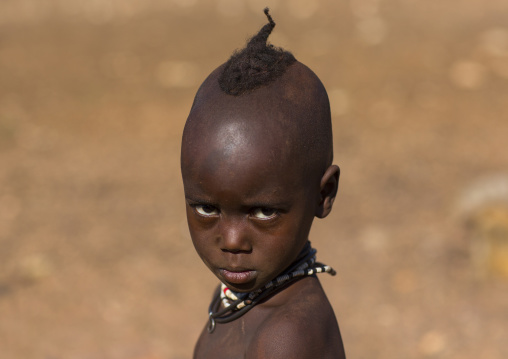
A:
[329,187]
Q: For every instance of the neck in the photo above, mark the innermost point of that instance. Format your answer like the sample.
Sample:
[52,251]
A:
[237,304]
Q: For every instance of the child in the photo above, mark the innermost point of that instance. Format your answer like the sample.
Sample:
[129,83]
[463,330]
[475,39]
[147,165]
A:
[257,168]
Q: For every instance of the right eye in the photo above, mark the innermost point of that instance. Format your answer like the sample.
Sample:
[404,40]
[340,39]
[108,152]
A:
[264,213]
[206,210]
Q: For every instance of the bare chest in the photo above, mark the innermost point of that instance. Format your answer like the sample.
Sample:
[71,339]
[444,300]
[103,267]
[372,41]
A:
[227,341]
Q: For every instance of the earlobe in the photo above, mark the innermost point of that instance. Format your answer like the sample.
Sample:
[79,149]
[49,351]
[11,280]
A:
[329,187]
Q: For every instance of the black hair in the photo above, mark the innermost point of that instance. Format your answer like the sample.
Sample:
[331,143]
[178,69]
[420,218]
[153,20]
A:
[256,65]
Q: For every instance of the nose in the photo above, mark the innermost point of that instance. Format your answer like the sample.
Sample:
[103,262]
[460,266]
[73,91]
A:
[234,236]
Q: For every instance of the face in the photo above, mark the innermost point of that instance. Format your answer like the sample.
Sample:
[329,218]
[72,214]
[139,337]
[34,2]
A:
[249,206]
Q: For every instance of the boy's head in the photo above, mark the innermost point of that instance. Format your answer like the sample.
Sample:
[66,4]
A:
[256,163]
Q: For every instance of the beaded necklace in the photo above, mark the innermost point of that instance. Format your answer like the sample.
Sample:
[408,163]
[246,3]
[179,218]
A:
[237,304]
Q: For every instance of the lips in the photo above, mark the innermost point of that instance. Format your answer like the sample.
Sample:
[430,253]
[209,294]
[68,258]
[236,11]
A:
[238,276]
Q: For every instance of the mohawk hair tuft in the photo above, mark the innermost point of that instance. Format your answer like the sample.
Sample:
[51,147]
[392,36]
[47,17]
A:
[256,65]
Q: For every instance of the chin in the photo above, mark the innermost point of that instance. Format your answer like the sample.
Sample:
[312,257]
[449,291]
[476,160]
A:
[243,287]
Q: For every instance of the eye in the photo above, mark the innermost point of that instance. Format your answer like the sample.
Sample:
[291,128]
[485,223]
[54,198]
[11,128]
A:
[264,213]
[206,210]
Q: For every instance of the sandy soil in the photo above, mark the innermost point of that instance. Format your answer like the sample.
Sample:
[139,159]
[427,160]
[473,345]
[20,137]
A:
[96,260]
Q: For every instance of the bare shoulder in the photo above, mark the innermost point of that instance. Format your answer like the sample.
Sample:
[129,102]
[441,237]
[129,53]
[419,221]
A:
[301,325]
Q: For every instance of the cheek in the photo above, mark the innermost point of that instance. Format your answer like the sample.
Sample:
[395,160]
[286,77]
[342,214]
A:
[196,232]
[284,243]
[203,235]
[202,244]
[290,239]
[301,223]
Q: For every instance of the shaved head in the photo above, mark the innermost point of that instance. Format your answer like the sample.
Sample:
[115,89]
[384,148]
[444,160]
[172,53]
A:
[288,120]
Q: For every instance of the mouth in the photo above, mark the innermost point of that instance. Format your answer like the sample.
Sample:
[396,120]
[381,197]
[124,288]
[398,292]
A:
[237,276]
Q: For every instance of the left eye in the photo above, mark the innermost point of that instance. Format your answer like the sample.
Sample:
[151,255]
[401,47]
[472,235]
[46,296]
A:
[206,210]
[264,213]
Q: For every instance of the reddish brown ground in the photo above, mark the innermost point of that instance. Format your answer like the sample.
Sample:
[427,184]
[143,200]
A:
[95,258]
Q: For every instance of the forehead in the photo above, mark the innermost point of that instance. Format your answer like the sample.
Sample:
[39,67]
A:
[241,172]
[232,148]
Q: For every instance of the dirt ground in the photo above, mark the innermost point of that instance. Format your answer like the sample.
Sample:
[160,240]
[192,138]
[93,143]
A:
[95,256]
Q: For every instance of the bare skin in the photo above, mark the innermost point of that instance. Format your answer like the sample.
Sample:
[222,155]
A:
[297,323]
[255,176]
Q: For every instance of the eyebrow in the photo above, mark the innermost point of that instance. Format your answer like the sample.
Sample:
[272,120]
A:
[275,205]
[199,200]
[278,204]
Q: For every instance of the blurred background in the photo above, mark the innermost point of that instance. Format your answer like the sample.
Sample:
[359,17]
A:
[95,255]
